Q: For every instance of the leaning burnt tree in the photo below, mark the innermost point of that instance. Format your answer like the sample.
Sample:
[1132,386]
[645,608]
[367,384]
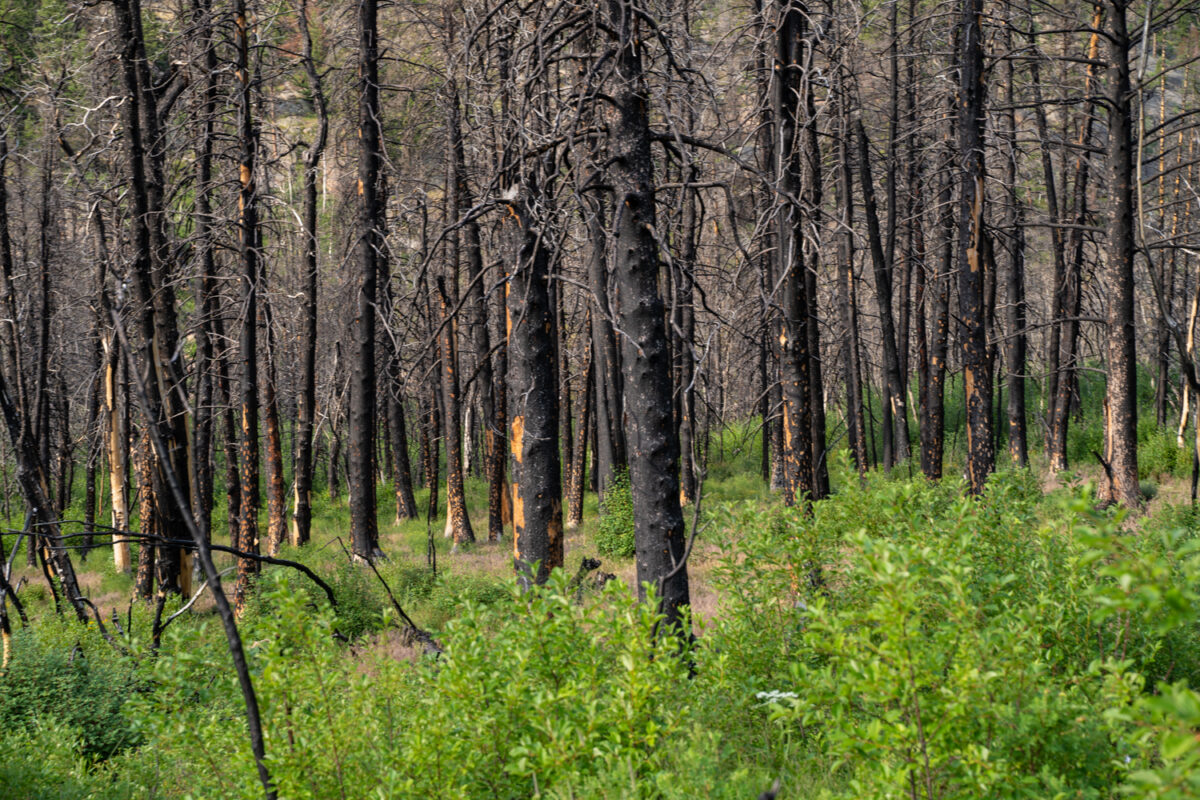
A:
[645,357]
[150,275]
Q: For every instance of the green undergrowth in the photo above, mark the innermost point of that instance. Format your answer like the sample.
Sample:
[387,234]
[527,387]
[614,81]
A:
[902,640]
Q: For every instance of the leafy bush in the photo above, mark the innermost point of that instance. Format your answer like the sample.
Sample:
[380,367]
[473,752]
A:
[1159,454]
[902,636]
[83,693]
[360,601]
[43,760]
[535,696]
[899,640]
[615,533]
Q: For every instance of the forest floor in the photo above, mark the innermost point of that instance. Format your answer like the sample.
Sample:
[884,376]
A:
[732,481]
[900,563]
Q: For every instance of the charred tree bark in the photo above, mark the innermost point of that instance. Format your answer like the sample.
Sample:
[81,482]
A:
[1121,395]
[577,479]
[456,501]
[1015,343]
[1057,244]
[684,322]
[276,490]
[150,275]
[230,429]
[977,374]
[1069,293]
[848,302]
[895,413]
[532,398]
[143,583]
[402,483]
[791,65]
[204,423]
[813,201]
[307,401]
[11,363]
[653,443]
[610,438]
[493,455]
[934,416]
[431,447]
[248,339]
[364,527]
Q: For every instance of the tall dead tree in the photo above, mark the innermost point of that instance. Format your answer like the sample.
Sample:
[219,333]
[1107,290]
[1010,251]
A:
[977,373]
[792,60]
[532,394]
[856,426]
[458,522]
[364,527]
[895,411]
[1014,307]
[307,401]
[1121,395]
[248,252]
[645,356]
[150,274]
[1068,287]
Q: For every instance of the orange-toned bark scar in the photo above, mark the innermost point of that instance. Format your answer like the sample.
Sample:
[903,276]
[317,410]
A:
[518,435]
[518,516]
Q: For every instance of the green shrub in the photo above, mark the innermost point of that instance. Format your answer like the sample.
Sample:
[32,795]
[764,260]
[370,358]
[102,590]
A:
[42,760]
[360,600]
[615,532]
[456,591]
[83,692]
[535,696]
[901,635]
[1160,454]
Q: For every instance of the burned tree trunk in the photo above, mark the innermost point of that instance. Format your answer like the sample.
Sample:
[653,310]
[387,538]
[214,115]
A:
[977,374]
[276,491]
[153,290]
[1121,395]
[1068,293]
[532,398]
[1015,343]
[307,401]
[577,476]
[610,435]
[856,428]
[895,413]
[456,502]
[645,359]
[248,339]
[791,141]
[364,527]
[147,519]
[493,455]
